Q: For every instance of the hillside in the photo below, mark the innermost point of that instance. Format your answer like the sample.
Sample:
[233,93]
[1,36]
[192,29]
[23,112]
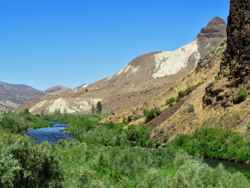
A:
[55,90]
[146,76]
[221,100]
[14,95]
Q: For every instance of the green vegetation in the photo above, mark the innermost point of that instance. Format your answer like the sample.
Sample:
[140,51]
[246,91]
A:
[187,91]
[184,93]
[20,123]
[240,96]
[171,101]
[151,114]
[215,143]
[114,155]
[23,164]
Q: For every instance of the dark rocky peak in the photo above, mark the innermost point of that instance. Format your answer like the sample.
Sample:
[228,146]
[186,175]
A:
[237,56]
[211,35]
[217,21]
[214,29]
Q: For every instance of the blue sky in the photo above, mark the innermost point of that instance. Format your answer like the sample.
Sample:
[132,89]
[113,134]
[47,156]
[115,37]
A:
[50,42]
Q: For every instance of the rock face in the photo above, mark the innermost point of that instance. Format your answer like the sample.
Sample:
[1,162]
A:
[211,35]
[237,56]
[235,67]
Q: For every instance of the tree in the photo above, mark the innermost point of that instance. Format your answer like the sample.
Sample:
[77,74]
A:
[99,107]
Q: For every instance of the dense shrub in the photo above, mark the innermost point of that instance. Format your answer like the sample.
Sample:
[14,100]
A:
[9,168]
[25,165]
[139,136]
[215,143]
[151,114]
[100,166]
[111,134]
[19,123]
[195,174]
[240,96]
[14,123]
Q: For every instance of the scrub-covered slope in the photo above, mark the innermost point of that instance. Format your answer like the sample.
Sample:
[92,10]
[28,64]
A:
[221,100]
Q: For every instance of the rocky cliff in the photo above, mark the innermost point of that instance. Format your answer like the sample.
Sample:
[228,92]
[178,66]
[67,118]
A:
[236,65]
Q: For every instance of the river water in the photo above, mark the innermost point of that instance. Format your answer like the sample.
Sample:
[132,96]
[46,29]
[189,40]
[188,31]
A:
[52,134]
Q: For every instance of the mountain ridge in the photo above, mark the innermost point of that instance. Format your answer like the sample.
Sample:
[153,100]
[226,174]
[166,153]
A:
[144,77]
[14,95]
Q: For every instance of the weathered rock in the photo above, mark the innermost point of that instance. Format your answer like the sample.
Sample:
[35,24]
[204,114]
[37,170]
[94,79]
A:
[217,95]
[211,35]
[210,39]
[236,65]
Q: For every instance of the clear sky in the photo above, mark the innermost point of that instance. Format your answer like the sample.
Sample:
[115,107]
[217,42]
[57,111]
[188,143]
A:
[70,42]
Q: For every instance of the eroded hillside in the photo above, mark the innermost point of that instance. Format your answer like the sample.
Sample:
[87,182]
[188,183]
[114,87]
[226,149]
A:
[131,89]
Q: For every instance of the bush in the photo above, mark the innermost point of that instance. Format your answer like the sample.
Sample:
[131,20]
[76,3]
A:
[195,174]
[131,118]
[99,108]
[151,114]
[20,123]
[190,108]
[9,168]
[26,165]
[14,123]
[185,92]
[240,96]
[171,101]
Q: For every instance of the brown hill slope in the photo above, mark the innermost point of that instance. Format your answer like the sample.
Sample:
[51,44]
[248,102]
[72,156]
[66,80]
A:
[13,95]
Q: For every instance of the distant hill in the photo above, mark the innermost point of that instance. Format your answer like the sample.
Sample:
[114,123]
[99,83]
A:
[57,90]
[14,95]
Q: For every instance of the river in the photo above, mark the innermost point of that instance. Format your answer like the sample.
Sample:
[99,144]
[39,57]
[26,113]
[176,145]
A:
[52,134]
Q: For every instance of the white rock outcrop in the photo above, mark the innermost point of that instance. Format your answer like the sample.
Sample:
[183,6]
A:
[171,62]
